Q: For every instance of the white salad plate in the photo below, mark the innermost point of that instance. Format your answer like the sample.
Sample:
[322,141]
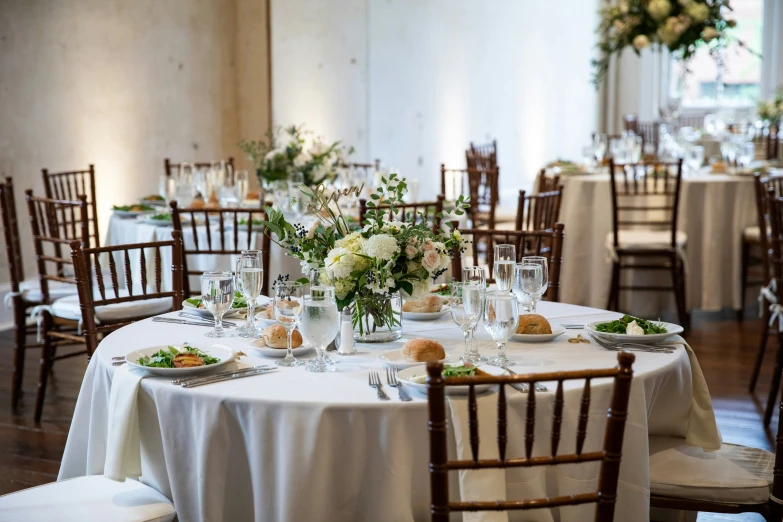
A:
[153,202]
[398,360]
[671,329]
[132,213]
[207,314]
[224,354]
[147,220]
[266,351]
[426,316]
[416,378]
[557,330]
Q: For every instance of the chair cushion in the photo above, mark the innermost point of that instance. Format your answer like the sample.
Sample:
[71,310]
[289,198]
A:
[87,499]
[652,239]
[31,290]
[68,308]
[732,474]
[752,234]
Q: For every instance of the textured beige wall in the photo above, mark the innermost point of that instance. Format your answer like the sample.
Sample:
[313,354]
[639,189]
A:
[124,84]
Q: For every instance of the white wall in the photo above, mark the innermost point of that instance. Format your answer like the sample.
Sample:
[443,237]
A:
[412,82]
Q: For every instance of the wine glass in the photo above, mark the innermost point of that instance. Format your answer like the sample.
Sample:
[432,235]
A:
[478,275]
[250,277]
[530,282]
[522,297]
[599,147]
[544,264]
[241,185]
[217,293]
[467,304]
[501,318]
[185,188]
[288,312]
[505,263]
[320,324]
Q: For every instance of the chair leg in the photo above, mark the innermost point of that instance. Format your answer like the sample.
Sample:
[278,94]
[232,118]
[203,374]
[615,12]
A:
[743,278]
[614,288]
[772,400]
[20,341]
[754,377]
[678,282]
[45,364]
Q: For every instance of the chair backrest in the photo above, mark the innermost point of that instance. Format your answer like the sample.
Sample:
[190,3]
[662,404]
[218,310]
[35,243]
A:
[13,248]
[545,243]
[68,186]
[483,156]
[631,122]
[481,185]
[368,168]
[692,120]
[538,212]
[764,186]
[237,229]
[171,167]
[645,196]
[776,260]
[546,183]
[609,456]
[424,211]
[56,224]
[92,279]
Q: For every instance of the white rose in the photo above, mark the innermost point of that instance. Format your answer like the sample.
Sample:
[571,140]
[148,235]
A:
[640,42]
[302,159]
[431,260]
[272,153]
[699,12]
[318,148]
[340,261]
[659,9]
[410,251]
[709,33]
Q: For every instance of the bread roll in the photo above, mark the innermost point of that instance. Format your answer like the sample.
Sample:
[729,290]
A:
[428,304]
[275,337]
[423,350]
[533,324]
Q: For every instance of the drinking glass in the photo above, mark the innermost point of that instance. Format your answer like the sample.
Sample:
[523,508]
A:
[505,261]
[288,312]
[320,324]
[694,157]
[185,189]
[544,264]
[530,282]
[476,274]
[599,147]
[250,277]
[617,149]
[745,153]
[501,318]
[634,150]
[524,300]
[217,293]
[467,304]
[241,185]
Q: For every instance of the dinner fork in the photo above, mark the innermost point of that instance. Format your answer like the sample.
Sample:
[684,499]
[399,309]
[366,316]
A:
[391,378]
[375,382]
[633,347]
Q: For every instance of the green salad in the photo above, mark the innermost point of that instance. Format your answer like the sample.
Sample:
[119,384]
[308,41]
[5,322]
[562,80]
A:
[620,325]
[460,371]
[239,301]
[133,208]
[161,216]
[165,358]
[243,221]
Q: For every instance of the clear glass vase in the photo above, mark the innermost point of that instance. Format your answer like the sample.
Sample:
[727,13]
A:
[377,318]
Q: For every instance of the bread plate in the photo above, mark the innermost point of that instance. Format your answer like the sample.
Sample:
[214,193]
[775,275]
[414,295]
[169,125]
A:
[557,330]
[415,377]
[225,355]
[671,329]
[399,360]
[258,347]
[125,214]
[426,316]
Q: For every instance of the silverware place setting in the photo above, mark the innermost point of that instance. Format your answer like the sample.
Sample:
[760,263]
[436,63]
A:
[391,379]
[174,320]
[632,347]
[226,376]
[198,317]
[375,382]
[524,387]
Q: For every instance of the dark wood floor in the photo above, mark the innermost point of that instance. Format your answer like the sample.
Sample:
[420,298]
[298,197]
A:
[30,453]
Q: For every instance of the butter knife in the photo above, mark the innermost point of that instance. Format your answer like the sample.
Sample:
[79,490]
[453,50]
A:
[228,372]
[229,377]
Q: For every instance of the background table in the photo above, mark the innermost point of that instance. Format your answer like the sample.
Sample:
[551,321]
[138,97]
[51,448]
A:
[714,210]
[293,445]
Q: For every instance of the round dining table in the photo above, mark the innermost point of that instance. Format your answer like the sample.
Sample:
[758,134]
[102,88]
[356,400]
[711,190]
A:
[291,445]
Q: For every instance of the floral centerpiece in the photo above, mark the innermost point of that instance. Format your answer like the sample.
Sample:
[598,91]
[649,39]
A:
[680,25]
[296,154]
[771,112]
[369,268]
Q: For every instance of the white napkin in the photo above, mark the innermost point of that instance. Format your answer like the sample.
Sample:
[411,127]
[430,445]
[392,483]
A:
[123,447]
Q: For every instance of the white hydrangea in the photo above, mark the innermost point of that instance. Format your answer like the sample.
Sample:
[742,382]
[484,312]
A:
[302,159]
[381,246]
[340,261]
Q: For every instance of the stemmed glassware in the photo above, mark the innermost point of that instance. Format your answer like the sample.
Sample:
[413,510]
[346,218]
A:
[467,305]
[476,274]
[185,189]
[501,318]
[241,185]
[505,266]
[534,285]
[599,147]
[320,323]
[288,312]
[250,277]
[217,293]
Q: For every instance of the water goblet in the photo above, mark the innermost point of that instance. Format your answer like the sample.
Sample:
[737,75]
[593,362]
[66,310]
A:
[217,294]
[467,304]
[599,147]
[530,282]
[320,324]
[288,312]
[478,275]
[505,263]
[544,264]
[250,277]
[241,185]
[501,318]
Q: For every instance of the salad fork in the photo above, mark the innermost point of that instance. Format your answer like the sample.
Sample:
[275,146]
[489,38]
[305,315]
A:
[634,347]
[391,378]
[375,382]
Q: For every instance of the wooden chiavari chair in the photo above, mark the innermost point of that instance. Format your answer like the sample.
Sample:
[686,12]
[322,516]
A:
[735,479]
[545,243]
[68,186]
[482,156]
[482,187]
[99,291]
[650,131]
[609,456]
[171,167]
[244,228]
[424,211]
[640,242]
[546,183]
[538,212]
[692,120]
[366,168]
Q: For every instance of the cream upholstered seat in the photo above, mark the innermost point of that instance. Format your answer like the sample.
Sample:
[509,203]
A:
[31,290]
[87,499]
[68,308]
[736,474]
[652,239]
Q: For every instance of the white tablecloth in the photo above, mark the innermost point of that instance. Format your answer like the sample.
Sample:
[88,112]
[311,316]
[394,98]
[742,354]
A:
[714,210]
[294,445]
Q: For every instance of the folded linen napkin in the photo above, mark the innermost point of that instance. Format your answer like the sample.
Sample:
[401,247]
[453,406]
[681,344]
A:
[123,447]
